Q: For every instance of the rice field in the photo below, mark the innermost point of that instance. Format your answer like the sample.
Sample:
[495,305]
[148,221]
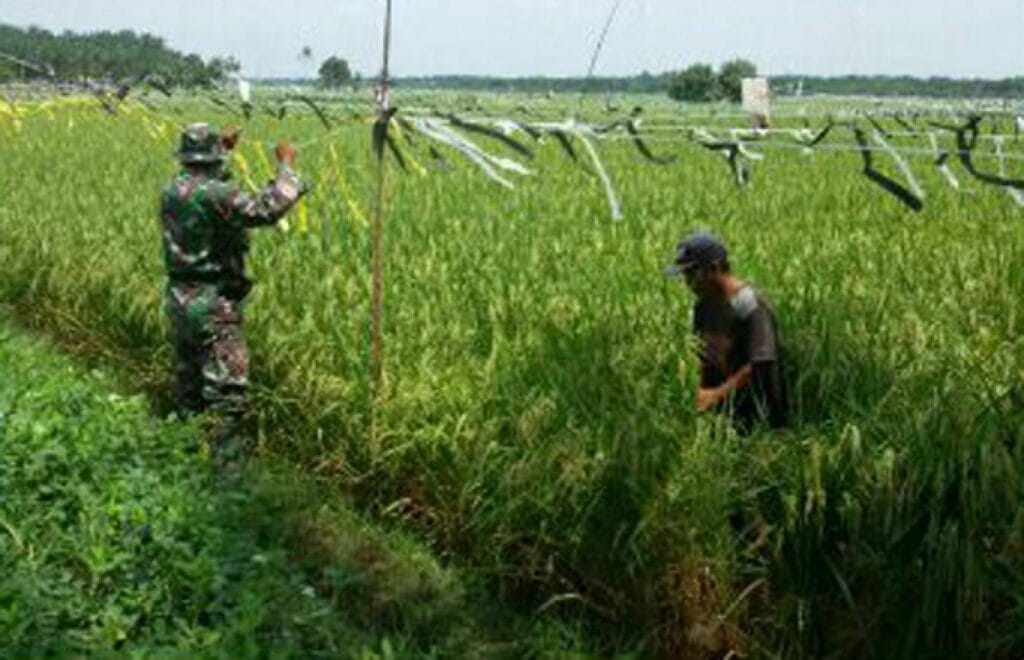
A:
[536,423]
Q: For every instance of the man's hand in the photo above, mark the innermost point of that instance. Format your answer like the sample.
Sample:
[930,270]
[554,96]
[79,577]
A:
[285,153]
[229,137]
[708,398]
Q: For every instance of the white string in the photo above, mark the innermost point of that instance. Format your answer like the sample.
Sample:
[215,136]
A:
[687,118]
[653,126]
[704,134]
[795,146]
[805,132]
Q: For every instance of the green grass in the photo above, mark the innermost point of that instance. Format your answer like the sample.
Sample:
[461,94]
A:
[117,535]
[537,422]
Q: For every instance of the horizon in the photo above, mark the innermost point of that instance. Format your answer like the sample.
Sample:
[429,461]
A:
[556,38]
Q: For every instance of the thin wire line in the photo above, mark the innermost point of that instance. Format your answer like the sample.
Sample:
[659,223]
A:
[754,146]
[647,129]
[604,35]
[751,144]
[597,53]
[669,120]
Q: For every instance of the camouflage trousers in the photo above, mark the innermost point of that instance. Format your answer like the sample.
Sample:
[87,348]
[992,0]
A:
[212,361]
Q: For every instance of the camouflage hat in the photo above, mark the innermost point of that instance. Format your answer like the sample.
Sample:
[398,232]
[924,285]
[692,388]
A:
[200,144]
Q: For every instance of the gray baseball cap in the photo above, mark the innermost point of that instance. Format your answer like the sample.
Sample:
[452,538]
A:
[698,250]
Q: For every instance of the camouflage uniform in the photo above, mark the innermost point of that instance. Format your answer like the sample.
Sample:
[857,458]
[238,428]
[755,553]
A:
[205,221]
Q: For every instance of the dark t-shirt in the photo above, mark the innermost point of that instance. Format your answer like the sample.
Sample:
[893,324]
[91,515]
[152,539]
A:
[736,332]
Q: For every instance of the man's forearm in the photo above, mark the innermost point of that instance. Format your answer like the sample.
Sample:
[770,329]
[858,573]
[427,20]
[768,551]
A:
[737,381]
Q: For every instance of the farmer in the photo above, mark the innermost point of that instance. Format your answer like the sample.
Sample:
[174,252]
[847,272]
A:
[205,221]
[740,354]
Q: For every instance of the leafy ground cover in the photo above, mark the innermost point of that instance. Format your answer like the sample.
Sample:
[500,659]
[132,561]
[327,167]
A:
[117,535]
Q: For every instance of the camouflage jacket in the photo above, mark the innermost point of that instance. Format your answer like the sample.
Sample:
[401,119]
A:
[205,224]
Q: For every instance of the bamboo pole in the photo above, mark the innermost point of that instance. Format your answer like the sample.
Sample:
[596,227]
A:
[377,229]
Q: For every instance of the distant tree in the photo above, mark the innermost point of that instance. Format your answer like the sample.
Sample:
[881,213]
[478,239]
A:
[220,69]
[696,82]
[8,70]
[334,72]
[730,78]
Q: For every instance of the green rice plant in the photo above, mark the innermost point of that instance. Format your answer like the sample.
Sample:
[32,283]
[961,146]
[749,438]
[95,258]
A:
[537,420]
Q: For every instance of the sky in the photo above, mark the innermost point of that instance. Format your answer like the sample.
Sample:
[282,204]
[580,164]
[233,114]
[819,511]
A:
[984,38]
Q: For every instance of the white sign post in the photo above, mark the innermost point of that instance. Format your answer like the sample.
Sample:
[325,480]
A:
[757,101]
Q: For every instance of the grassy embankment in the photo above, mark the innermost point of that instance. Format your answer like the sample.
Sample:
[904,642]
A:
[117,534]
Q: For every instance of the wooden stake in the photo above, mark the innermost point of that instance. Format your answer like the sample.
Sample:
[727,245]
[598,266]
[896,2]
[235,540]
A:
[377,230]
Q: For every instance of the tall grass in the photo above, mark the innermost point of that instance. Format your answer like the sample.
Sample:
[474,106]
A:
[537,423]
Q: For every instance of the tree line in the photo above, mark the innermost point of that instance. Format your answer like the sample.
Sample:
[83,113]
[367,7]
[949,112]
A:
[644,83]
[26,53]
[701,82]
[936,87]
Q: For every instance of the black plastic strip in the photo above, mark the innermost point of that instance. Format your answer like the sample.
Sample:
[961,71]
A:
[442,163]
[878,127]
[316,109]
[395,151]
[608,128]
[905,124]
[407,131]
[966,140]
[642,147]
[566,144]
[491,133]
[529,130]
[891,185]
[224,104]
[739,169]
[822,134]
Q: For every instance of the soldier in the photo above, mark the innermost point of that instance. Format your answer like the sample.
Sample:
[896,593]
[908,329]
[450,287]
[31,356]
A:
[205,221]
[741,365]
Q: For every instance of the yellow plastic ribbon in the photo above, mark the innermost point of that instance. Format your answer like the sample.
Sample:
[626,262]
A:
[396,134]
[241,164]
[346,194]
[268,169]
[302,224]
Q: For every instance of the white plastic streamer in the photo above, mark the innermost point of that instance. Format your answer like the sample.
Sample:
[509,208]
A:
[908,174]
[803,135]
[738,136]
[507,126]
[436,130]
[244,88]
[1016,194]
[613,199]
[703,135]
[944,168]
